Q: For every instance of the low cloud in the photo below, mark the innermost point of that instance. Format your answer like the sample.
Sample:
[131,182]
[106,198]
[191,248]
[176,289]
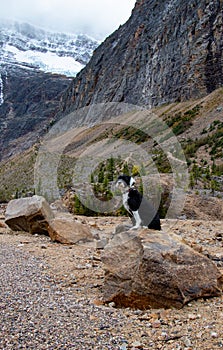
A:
[97,18]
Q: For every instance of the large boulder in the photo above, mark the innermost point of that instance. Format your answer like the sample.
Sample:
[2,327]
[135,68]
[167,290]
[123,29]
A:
[31,214]
[156,270]
[68,231]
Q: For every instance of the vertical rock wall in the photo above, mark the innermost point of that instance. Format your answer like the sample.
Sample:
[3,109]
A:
[167,51]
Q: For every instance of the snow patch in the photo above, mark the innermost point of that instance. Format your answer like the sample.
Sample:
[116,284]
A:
[46,61]
[1,90]
[34,48]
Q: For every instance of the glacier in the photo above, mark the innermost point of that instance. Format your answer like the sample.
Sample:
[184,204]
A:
[26,45]
[46,61]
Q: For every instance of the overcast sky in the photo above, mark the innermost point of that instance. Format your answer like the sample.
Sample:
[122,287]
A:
[94,17]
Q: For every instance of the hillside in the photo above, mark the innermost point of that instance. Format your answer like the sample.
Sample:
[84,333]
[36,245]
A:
[198,126]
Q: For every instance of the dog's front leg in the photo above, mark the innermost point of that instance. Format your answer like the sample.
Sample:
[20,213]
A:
[137,220]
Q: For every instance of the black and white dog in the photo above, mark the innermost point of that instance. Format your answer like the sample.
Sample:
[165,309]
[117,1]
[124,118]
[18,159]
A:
[141,212]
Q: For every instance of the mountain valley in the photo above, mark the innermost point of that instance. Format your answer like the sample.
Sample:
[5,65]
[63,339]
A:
[175,71]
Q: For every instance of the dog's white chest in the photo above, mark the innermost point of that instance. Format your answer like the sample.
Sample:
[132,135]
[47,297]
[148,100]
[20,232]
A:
[125,200]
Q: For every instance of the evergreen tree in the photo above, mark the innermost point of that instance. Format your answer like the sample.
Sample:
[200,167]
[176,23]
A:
[125,169]
[192,182]
[101,174]
[92,178]
[196,172]
[111,169]
[141,186]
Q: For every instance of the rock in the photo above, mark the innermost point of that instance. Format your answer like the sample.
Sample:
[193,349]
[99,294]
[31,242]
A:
[67,231]
[214,334]
[136,344]
[31,214]
[151,58]
[101,243]
[4,228]
[161,272]
[122,228]
[34,215]
[33,98]
[2,224]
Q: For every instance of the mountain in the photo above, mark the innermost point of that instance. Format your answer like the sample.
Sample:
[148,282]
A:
[29,103]
[167,56]
[167,51]
[198,125]
[25,45]
[35,70]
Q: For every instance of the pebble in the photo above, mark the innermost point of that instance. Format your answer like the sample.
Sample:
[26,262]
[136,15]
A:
[214,334]
[136,344]
[112,304]
[156,324]
[40,311]
[36,313]
[187,342]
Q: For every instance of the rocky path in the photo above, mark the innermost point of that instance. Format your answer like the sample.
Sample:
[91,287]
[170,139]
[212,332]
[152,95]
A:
[50,299]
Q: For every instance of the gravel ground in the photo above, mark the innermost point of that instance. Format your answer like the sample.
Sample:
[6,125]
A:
[50,299]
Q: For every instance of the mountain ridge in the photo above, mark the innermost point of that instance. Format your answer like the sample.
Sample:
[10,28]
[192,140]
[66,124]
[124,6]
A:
[35,66]
[62,53]
[140,67]
[166,52]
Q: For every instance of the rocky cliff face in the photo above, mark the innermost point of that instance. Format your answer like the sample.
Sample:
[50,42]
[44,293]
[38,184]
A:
[167,51]
[29,101]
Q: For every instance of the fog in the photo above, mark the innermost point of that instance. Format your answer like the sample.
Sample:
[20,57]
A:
[97,18]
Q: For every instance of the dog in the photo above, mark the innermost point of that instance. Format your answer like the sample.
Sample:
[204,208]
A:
[141,212]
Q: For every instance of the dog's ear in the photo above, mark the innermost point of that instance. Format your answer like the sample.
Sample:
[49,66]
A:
[132,182]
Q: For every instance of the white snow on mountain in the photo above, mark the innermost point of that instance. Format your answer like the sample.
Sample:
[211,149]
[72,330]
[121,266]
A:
[48,61]
[1,91]
[25,45]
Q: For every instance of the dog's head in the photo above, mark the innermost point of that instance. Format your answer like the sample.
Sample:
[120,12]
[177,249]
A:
[125,182]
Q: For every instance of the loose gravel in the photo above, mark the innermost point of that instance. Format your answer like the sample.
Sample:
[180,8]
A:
[50,299]
[36,313]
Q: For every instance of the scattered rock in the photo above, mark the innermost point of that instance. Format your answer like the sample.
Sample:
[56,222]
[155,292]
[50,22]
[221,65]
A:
[31,214]
[60,294]
[67,231]
[121,228]
[101,243]
[136,344]
[160,272]
[214,334]
[2,224]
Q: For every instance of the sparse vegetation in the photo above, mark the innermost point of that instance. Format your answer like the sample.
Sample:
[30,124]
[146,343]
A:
[17,177]
[204,156]
[181,122]
[101,180]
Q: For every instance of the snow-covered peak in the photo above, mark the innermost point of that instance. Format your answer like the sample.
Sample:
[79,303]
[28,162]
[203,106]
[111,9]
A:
[24,44]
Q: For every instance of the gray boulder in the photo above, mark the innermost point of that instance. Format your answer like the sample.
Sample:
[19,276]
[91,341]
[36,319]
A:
[149,269]
[31,214]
